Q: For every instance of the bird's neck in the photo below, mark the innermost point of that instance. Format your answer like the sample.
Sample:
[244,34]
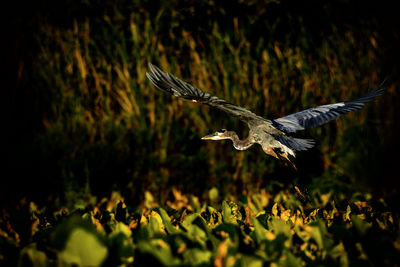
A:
[241,144]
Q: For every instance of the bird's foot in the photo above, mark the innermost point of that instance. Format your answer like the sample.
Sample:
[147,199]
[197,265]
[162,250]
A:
[283,155]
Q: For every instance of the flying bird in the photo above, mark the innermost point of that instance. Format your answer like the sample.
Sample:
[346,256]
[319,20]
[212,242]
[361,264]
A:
[272,135]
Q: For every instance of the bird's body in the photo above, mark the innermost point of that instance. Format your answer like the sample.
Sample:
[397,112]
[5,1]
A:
[272,135]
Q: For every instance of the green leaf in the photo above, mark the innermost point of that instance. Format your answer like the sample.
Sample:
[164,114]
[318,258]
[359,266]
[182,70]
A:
[227,215]
[200,222]
[149,199]
[260,233]
[317,236]
[121,243]
[275,209]
[231,229]
[339,251]
[279,226]
[215,216]
[155,225]
[213,195]
[196,256]
[360,225]
[196,234]
[249,261]
[320,234]
[189,219]
[195,225]
[30,256]
[83,249]
[159,249]
[290,261]
[167,222]
[121,228]
[348,212]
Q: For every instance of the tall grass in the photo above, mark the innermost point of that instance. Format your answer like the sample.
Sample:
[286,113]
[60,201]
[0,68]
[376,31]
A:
[104,123]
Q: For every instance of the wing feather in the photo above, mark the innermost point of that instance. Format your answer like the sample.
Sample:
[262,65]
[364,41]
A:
[169,83]
[317,116]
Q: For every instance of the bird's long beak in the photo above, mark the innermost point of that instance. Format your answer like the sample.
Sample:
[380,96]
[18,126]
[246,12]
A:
[212,136]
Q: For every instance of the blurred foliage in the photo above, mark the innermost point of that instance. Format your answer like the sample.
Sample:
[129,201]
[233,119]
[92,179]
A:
[281,230]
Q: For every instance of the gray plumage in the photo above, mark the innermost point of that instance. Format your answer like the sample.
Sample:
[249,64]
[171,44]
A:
[317,116]
[270,134]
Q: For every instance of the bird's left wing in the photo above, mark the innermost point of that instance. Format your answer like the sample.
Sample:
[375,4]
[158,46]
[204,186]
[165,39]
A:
[170,84]
[317,116]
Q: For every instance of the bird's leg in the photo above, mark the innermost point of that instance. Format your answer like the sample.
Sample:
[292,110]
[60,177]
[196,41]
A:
[270,151]
[283,155]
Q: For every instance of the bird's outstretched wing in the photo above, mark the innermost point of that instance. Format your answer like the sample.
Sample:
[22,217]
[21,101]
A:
[169,83]
[317,116]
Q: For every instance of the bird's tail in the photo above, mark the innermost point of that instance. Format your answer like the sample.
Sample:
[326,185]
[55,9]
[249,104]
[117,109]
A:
[297,144]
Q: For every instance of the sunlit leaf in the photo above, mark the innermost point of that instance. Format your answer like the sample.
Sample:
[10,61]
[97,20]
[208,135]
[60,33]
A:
[83,249]
[339,252]
[213,194]
[249,261]
[275,209]
[155,224]
[197,256]
[279,226]
[160,250]
[320,234]
[167,222]
[348,212]
[227,215]
[31,256]
[260,233]
[197,234]
[123,229]
[290,260]
[189,219]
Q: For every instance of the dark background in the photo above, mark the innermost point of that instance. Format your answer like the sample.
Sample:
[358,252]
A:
[37,167]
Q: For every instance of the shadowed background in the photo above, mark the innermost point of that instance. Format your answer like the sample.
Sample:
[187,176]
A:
[82,119]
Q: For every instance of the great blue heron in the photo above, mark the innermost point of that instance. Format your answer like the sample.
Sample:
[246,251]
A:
[270,134]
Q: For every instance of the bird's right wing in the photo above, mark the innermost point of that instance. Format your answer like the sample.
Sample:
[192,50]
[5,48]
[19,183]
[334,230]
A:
[317,116]
[170,84]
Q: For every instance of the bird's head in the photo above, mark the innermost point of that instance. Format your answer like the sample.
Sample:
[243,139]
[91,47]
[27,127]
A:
[218,135]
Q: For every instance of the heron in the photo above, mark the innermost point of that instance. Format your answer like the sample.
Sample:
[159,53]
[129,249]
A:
[274,136]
